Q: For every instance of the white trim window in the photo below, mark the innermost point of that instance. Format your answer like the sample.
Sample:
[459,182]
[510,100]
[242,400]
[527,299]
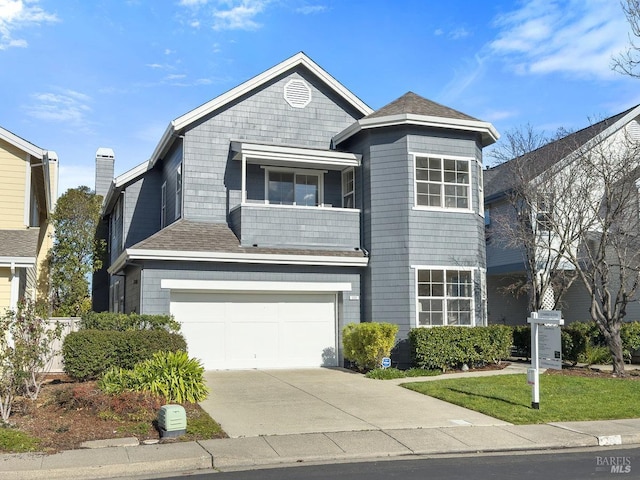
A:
[178,191]
[293,187]
[445,297]
[480,180]
[442,182]
[163,205]
[349,188]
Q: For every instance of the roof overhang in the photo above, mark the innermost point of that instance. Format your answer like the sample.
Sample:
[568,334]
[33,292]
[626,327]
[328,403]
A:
[300,59]
[17,262]
[486,130]
[294,156]
[131,254]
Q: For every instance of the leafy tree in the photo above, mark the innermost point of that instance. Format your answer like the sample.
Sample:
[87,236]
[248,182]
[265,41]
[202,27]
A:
[75,253]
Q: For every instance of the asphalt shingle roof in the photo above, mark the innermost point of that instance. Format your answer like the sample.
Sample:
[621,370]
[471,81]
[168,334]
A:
[498,180]
[19,243]
[415,104]
[190,236]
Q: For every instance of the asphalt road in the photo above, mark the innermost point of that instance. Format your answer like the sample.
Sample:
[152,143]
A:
[560,465]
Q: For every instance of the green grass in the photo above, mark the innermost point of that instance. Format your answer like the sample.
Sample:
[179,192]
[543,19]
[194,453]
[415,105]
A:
[562,398]
[200,424]
[14,441]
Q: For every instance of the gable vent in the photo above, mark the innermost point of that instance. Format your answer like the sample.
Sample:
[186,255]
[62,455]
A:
[297,93]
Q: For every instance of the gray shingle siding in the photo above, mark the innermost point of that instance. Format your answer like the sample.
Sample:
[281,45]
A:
[142,208]
[212,179]
[269,226]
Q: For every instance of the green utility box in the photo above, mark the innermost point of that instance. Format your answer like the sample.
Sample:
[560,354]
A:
[172,421]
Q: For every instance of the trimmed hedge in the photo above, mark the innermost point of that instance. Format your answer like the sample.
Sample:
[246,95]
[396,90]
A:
[367,343]
[123,322]
[581,341]
[450,347]
[89,353]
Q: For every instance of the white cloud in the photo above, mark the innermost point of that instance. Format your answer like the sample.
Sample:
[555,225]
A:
[497,115]
[225,14]
[459,33]
[577,37]
[311,9]
[66,106]
[18,14]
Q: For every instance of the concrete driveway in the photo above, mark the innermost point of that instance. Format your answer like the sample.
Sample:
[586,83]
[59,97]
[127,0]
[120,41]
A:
[249,403]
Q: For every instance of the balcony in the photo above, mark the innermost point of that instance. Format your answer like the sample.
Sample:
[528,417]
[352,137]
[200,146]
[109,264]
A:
[284,226]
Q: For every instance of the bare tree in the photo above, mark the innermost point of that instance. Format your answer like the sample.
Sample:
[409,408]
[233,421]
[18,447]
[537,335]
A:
[526,223]
[627,62]
[607,259]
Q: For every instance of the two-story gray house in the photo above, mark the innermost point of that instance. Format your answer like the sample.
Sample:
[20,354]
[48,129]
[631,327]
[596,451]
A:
[273,215]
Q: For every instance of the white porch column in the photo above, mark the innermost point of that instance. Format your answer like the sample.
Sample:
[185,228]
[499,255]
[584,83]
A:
[244,179]
[15,287]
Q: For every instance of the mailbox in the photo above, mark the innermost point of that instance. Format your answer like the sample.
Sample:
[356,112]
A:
[172,421]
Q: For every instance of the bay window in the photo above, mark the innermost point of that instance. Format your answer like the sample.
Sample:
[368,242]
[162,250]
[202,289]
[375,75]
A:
[442,182]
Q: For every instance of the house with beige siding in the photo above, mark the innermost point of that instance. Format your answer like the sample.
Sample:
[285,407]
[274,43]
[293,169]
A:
[27,199]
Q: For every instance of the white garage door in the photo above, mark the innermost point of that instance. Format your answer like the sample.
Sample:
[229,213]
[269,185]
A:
[258,330]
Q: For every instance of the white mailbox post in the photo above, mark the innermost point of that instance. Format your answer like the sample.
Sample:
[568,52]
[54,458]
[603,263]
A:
[546,350]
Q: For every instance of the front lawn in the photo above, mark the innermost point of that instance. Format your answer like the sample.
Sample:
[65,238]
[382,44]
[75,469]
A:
[563,398]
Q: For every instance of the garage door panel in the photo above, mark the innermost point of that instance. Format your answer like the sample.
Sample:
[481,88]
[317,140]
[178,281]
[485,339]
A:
[258,330]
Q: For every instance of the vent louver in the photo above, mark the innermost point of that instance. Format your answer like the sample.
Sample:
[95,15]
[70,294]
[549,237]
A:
[297,93]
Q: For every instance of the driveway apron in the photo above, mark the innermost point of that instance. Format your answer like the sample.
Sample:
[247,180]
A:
[250,403]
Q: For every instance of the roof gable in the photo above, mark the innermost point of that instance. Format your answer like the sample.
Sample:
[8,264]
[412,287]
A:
[21,143]
[497,179]
[300,59]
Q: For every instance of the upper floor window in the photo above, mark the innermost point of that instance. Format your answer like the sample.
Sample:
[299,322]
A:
[286,187]
[163,205]
[348,188]
[443,182]
[445,297]
[178,191]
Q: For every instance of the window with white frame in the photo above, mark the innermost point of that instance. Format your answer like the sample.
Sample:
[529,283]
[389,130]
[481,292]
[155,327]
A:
[442,182]
[163,205]
[348,188]
[445,297]
[178,191]
[287,187]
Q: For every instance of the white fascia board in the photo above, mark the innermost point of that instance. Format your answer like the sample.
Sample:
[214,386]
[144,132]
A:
[295,155]
[251,286]
[222,257]
[132,174]
[168,134]
[487,130]
[18,262]
[22,144]
[259,80]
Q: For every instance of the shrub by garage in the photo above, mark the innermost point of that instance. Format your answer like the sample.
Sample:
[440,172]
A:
[89,353]
[366,344]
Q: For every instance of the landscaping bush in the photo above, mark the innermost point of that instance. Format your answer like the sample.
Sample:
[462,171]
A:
[451,347]
[368,343]
[123,322]
[522,341]
[89,353]
[171,375]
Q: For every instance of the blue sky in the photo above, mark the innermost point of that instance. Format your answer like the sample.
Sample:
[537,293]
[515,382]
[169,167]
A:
[76,75]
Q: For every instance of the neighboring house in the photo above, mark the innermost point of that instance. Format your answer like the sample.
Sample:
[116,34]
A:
[273,215]
[27,198]
[505,264]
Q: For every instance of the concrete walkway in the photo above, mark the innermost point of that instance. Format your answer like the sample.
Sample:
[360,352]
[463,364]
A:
[366,432]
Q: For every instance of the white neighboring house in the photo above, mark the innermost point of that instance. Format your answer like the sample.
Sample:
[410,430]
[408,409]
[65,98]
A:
[558,168]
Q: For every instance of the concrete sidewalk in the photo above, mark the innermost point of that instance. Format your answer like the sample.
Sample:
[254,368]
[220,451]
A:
[268,451]
[320,416]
